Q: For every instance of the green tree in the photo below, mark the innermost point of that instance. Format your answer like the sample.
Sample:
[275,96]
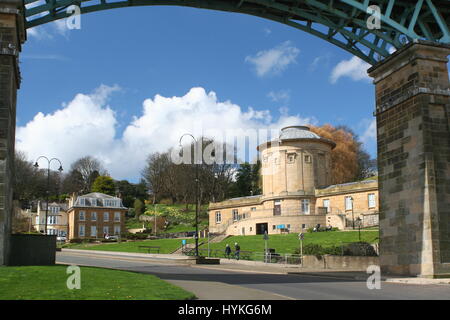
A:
[248,180]
[138,207]
[104,184]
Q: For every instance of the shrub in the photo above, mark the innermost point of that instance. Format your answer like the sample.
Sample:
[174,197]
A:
[134,236]
[76,240]
[359,249]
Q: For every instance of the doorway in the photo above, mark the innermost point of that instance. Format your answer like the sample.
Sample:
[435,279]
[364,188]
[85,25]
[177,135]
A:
[261,228]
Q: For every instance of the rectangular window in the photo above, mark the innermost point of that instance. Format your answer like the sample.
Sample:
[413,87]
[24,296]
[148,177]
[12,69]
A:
[235,215]
[218,217]
[348,203]
[116,229]
[52,220]
[371,200]
[105,216]
[117,216]
[326,204]
[253,209]
[274,227]
[82,201]
[307,158]
[54,210]
[93,202]
[288,226]
[105,230]
[94,231]
[305,206]
[81,230]
[82,216]
[94,216]
[111,203]
[303,226]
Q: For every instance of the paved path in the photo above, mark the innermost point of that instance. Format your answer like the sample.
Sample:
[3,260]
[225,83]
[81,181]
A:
[230,283]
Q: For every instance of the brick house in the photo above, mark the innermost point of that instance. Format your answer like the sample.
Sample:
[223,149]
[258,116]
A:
[94,215]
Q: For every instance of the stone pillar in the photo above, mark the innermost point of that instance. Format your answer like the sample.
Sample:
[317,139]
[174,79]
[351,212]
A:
[413,130]
[12,35]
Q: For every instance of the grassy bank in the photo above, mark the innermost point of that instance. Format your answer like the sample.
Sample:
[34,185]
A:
[282,243]
[49,283]
[166,245]
[288,243]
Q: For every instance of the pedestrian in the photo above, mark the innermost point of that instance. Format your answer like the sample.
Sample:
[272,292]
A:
[237,249]
[227,251]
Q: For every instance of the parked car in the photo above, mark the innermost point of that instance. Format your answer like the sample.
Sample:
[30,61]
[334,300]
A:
[113,237]
[61,238]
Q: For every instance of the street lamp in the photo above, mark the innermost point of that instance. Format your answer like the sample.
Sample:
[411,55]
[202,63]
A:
[353,219]
[154,210]
[359,228]
[196,190]
[60,169]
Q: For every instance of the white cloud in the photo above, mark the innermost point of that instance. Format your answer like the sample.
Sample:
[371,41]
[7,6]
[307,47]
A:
[355,68]
[370,134]
[44,57]
[275,60]
[39,33]
[267,31]
[279,96]
[88,126]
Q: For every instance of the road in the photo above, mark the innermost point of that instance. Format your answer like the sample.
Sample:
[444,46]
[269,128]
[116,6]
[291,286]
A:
[218,283]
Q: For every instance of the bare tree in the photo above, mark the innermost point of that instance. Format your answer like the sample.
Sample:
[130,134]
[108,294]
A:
[88,168]
[155,173]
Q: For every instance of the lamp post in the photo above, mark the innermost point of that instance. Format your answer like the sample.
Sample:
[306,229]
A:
[359,228]
[154,210]
[353,219]
[60,169]
[196,190]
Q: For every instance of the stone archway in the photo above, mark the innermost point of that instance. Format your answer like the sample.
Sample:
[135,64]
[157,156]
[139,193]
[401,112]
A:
[412,106]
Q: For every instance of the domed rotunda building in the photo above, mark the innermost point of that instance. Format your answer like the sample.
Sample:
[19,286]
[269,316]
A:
[296,178]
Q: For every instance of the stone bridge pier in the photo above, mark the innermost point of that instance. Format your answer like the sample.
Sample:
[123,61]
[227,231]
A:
[413,131]
[12,35]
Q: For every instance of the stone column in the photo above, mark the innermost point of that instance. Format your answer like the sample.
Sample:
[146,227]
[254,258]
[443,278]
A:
[12,35]
[413,130]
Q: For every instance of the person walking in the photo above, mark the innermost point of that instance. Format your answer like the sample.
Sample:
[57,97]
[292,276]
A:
[237,249]
[227,251]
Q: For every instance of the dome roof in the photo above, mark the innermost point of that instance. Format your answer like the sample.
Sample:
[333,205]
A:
[297,132]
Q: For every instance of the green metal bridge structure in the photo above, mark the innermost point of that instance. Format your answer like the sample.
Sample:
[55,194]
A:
[340,22]
[407,43]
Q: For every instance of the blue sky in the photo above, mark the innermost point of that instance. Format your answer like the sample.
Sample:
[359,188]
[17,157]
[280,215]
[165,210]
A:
[243,70]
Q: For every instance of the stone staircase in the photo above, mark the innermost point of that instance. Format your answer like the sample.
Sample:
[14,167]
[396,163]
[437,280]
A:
[187,247]
[218,238]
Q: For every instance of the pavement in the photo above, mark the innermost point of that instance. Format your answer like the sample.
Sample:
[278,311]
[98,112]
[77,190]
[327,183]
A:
[235,281]
[260,267]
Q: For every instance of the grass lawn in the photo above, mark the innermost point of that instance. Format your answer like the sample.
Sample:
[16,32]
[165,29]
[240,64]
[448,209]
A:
[167,245]
[282,243]
[49,283]
[288,243]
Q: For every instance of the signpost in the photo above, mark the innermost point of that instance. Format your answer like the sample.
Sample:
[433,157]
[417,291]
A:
[301,236]
[266,238]
[208,243]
